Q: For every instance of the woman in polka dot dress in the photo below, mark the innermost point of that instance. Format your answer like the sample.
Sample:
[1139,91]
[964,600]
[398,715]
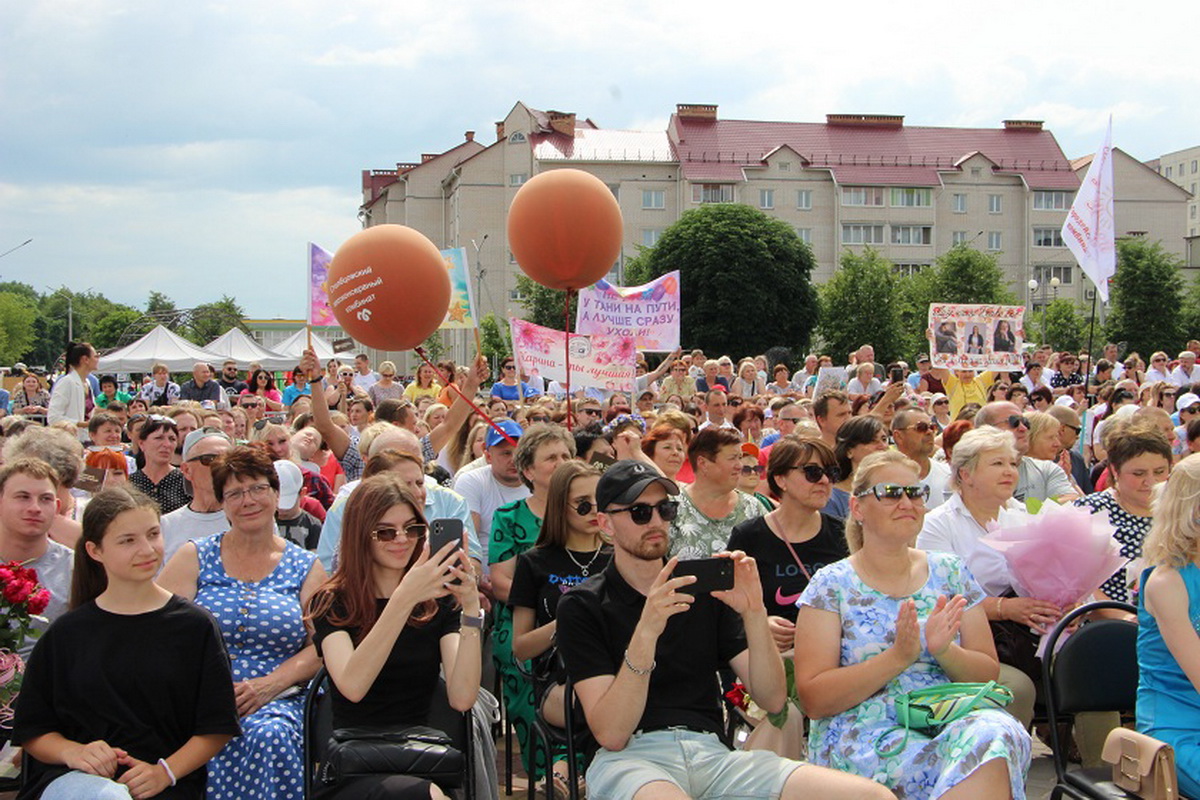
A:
[256,585]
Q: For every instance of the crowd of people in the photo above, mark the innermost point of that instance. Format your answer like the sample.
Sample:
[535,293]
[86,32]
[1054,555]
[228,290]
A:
[256,526]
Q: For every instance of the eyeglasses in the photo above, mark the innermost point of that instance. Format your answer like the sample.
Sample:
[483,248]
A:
[258,491]
[894,491]
[539,419]
[508,366]
[584,508]
[756,469]
[1016,419]
[941,403]
[413,531]
[919,427]
[641,513]
[790,419]
[814,472]
[1168,394]
[207,459]
[593,411]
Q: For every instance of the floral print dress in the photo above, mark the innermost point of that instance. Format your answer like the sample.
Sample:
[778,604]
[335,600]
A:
[925,768]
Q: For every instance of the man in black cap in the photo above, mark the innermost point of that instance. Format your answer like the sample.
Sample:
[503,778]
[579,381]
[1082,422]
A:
[644,653]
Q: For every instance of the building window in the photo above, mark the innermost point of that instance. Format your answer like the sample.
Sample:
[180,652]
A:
[805,234]
[1044,272]
[995,241]
[908,270]
[650,236]
[1047,237]
[960,204]
[654,198]
[1192,212]
[1168,172]
[766,198]
[958,237]
[517,138]
[804,199]
[862,234]
[1051,201]
[1181,169]
[995,204]
[1195,162]
[912,234]
[712,193]
[862,195]
[976,172]
[785,166]
[517,178]
[912,197]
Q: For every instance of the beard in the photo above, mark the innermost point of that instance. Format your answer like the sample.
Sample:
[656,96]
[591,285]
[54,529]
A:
[653,550]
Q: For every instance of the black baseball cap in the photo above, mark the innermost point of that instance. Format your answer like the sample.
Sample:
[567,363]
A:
[625,481]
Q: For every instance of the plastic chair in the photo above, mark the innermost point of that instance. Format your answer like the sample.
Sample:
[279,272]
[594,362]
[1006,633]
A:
[1095,670]
[318,728]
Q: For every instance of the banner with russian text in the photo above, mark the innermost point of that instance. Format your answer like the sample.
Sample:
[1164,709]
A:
[648,313]
[1089,231]
[461,313]
[979,337]
[601,362]
[319,312]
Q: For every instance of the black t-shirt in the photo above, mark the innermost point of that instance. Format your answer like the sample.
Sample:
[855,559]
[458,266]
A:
[545,574]
[596,620]
[142,682]
[170,493]
[232,388]
[304,530]
[403,690]
[782,579]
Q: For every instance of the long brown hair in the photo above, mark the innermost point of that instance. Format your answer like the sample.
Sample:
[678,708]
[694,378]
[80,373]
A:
[555,527]
[89,580]
[348,597]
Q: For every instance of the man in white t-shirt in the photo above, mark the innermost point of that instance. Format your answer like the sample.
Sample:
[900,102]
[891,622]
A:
[203,515]
[1187,373]
[716,409]
[498,484]
[1037,479]
[28,505]
[915,434]
[364,377]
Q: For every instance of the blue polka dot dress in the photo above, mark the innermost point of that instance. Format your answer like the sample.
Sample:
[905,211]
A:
[262,624]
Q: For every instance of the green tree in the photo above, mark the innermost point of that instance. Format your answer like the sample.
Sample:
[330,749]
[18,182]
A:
[1146,298]
[210,320]
[1191,310]
[544,306]
[1065,326]
[16,326]
[915,293]
[965,275]
[106,332]
[745,279]
[434,346]
[495,340]
[860,304]
[158,302]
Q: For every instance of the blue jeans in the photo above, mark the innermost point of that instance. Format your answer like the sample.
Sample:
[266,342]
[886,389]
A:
[76,785]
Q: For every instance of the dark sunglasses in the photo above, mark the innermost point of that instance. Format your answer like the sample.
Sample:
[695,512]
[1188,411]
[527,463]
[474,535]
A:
[1016,419]
[262,423]
[920,427]
[894,491]
[592,411]
[641,513]
[508,366]
[752,470]
[814,472]
[539,419]
[584,508]
[207,459]
[412,531]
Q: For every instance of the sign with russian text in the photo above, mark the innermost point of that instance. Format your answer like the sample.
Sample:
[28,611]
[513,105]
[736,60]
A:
[648,314]
[602,362]
[319,312]
[976,336]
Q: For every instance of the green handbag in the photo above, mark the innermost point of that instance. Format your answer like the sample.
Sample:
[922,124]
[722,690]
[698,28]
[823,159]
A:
[928,710]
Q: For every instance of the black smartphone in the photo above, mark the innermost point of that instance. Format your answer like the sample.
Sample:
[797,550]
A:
[712,574]
[897,374]
[442,531]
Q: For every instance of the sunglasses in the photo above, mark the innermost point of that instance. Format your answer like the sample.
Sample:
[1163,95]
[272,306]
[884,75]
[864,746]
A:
[641,513]
[1016,419]
[507,366]
[752,470]
[539,419]
[920,427]
[814,472]
[413,531]
[593,411]
[584,508]
[207,459]
[894,491]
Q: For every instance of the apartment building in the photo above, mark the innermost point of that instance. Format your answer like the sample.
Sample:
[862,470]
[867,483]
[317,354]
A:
[849,182]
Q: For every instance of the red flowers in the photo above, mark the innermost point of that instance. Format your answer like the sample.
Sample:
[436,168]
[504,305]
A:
[22,599]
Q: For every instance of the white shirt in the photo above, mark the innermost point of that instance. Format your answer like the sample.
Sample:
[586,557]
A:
[183,524]
[365,382]
[936,480]
[855,386]
[484,494]
[1031,386]
[708,423]
[950,528]
[1179,376]
[1155,374]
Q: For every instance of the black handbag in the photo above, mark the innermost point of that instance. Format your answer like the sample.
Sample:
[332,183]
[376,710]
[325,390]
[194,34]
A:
[411,750]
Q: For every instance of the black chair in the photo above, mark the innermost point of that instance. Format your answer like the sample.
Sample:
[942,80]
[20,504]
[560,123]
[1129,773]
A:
[548,738]
[1095,670]
[318,728]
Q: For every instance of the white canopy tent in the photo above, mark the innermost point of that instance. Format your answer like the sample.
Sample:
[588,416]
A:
[236,345]
[293,347]
[159,346]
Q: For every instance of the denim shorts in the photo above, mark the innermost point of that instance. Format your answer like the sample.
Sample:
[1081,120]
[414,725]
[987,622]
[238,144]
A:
[76,785]
[698,763]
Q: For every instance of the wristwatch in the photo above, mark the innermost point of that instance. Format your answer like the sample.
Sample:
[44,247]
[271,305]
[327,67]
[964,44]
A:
[472,622]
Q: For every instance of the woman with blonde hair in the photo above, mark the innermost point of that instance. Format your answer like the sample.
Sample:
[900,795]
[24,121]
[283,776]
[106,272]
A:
[748,383]
[1168,700]
[386,388]
[1043,436]
[424,385]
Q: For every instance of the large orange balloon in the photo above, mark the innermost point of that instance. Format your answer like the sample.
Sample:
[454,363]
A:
[565,228]
[388,287]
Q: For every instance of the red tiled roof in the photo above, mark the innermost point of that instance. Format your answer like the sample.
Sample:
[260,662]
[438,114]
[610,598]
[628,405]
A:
[897,156]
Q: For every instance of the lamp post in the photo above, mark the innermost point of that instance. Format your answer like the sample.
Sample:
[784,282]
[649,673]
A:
[1046,288]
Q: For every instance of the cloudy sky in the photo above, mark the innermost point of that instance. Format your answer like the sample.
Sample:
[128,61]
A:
[193,148]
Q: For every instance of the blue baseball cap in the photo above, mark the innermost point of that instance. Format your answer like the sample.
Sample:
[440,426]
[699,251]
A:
[509,426]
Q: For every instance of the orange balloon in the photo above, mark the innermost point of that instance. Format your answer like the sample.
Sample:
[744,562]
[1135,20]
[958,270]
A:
[388,287]
[565,228]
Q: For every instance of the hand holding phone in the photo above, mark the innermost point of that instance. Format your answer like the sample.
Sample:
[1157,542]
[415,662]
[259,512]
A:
[712,574]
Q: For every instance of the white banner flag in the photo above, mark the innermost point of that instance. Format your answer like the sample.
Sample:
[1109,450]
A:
[1088,231]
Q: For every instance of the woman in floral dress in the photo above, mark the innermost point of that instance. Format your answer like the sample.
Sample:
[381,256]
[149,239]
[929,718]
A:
[890,619]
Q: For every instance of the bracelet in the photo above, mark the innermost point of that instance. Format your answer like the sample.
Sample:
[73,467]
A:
[162,762]
[999,605]
[637,671]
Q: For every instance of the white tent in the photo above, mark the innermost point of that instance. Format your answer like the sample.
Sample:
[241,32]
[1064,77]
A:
[293,347]
[159,346]
[235,344]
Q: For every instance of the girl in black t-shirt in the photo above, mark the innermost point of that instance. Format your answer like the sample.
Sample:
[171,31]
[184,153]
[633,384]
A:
[568,551]
[130,693]
[384,632]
